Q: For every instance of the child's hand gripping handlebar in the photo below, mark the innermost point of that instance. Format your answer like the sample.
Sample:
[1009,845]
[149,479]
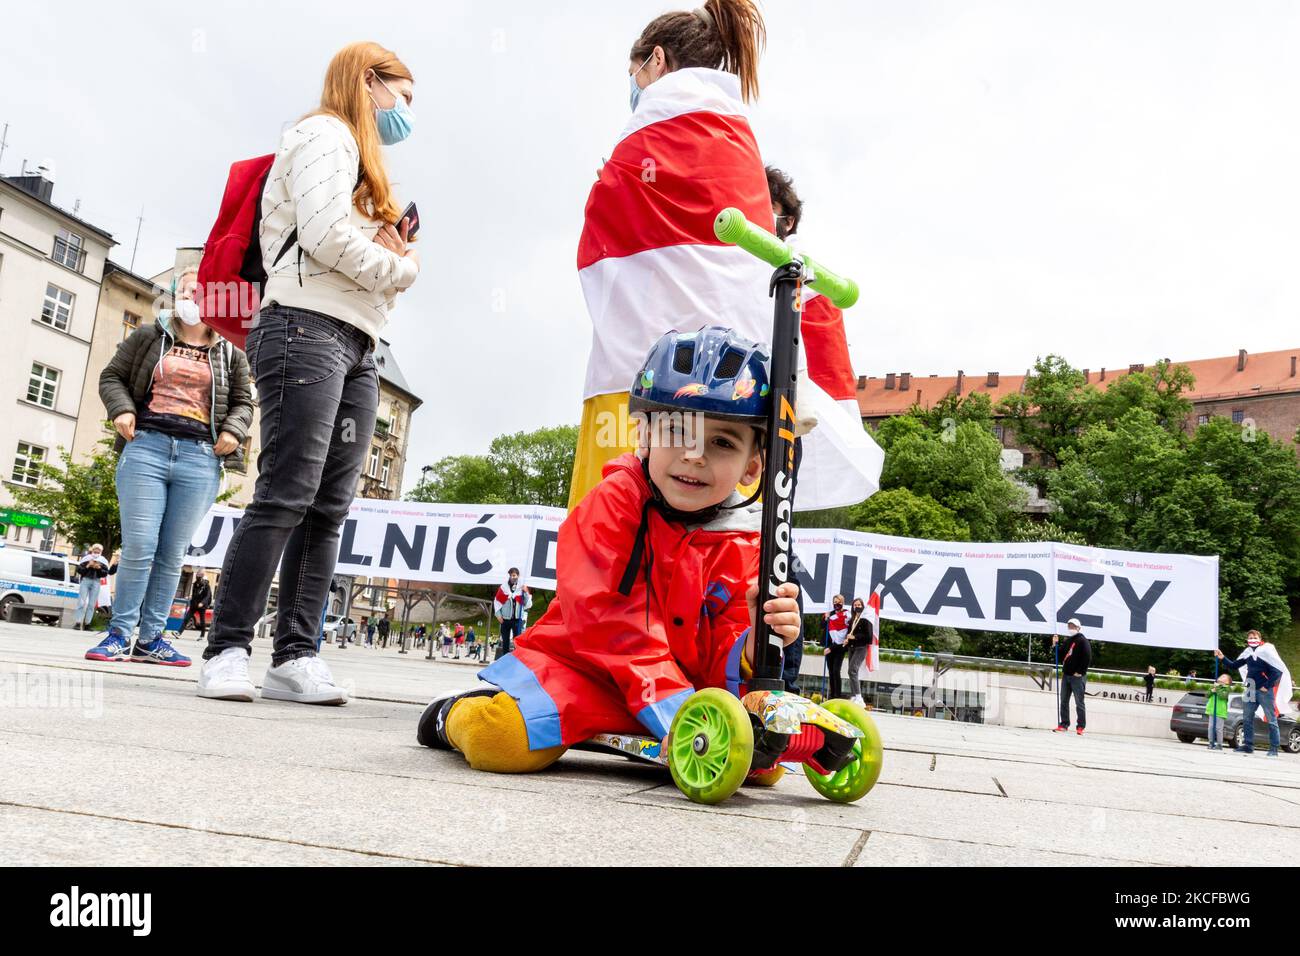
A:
[733,228]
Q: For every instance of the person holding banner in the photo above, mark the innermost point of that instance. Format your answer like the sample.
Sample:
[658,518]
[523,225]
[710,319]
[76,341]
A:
[861,634]
[1268,688]
[837,635]
[1074,676]
[512,603]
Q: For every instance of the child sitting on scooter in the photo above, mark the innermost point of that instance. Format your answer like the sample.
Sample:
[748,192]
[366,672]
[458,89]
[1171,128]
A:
[656,574]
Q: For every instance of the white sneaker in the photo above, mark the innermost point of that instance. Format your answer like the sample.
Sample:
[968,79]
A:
[305,680]
[857,699]
[225,677]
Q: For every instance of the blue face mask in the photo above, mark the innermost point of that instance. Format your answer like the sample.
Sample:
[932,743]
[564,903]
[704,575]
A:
[636,90]
[394,124]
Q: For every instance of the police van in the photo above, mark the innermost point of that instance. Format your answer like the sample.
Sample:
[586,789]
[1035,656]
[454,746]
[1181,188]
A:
[42,580]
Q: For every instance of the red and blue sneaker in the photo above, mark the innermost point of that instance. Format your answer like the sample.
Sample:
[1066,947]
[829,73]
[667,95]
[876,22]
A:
[114,647]
[158,651]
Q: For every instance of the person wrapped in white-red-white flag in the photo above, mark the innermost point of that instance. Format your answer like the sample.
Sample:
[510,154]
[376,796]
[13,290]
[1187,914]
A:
[648,259]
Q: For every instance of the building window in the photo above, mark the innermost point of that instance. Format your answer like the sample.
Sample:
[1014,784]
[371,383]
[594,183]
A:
[57,311]
[27,464]
[130,322]
[372,467]
[1238,416]
[383,475]
[67,249]
[1202,419]
[43,385]
[997,432]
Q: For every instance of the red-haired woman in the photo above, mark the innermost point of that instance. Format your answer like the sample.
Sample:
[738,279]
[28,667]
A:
[330,223]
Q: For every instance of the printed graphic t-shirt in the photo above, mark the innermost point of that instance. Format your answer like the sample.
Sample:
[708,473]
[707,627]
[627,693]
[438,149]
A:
[179,402]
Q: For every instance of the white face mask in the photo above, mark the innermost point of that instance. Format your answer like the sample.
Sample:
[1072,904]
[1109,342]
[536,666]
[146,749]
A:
[188,311]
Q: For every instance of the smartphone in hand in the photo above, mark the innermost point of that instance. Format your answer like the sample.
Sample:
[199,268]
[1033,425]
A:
[412,216]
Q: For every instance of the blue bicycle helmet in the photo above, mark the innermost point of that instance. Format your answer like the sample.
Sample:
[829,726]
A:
[713,371]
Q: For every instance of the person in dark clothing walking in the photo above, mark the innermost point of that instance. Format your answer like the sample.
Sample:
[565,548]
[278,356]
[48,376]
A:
[1150,678]
[1074,675]
[384,626]
[200,601]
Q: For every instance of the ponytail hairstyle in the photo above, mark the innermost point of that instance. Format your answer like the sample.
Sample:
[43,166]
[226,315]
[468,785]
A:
[723,34]
[346,98]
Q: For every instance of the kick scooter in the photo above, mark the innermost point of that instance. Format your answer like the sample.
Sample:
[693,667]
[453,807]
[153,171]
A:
[717,740]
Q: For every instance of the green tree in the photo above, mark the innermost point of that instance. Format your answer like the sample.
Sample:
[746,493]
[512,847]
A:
[524,468]
[1049,415]
[1111,478]
[960,467]
[80,498]
[1159,390]
[898,511]
[1259,471]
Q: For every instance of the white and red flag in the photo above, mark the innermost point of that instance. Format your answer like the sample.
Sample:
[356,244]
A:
[873,615]
[649,262]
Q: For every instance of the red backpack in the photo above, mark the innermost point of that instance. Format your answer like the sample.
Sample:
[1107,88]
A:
[232,273]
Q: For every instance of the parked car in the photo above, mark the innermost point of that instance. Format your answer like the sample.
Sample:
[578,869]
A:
[33,577]
[1190,723]
[339,628]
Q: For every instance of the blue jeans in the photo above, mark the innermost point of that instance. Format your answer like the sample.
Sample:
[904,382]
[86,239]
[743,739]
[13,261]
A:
[1264,700]
[1215,730]
[87,599]
[165,486]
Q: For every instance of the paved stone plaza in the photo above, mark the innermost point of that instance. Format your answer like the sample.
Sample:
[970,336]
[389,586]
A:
[123,764]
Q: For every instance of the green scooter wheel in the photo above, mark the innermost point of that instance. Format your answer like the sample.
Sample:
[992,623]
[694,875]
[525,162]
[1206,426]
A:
[711,746]
[856,778]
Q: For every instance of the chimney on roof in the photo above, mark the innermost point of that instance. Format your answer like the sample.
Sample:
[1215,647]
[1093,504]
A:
[1087,376]
[889,380]
[904,381]
[961,377]
[1241,361]
[1136,367]
[1293,366]
[992,380]
[34,184]
[1103,374]
[918,396]
[862,382]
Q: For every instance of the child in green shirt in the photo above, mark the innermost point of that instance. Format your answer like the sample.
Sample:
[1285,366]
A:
[1216,707]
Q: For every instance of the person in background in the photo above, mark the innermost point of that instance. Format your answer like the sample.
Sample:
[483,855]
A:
[837,635]
[370,633]
[1150,679]
[385,625]
[1074,675]
[329,199]
[512,603]
[460,639]
[471,643]
[91,569]
[1216,708]
[1265,675]
[200,601]
[859,642]
[181,401]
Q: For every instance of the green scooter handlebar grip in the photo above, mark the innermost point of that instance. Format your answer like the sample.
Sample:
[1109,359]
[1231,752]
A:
[733,228]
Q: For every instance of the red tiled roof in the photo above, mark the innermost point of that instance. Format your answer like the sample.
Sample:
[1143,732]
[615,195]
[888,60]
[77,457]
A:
[1216,378]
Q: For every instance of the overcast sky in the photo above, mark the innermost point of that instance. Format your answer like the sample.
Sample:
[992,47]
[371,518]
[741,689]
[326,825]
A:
[1112,181]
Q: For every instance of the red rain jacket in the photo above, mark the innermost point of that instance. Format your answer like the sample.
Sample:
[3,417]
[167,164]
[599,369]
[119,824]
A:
[602,662]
